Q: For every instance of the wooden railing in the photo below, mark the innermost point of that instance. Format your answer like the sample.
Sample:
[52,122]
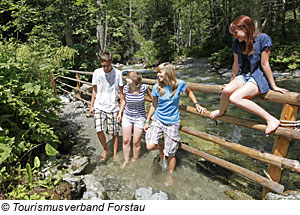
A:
[277,160]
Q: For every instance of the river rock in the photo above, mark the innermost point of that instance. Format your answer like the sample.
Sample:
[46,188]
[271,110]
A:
[78,164]
[287,195]
[77,185]
[296,73]
[94,189]
[86,88]
[227,74]
[151,194]
[79,104]
[223,70]
[64,99]
[110,184]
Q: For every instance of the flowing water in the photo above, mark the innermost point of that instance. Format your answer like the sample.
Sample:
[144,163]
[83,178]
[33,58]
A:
[195,178]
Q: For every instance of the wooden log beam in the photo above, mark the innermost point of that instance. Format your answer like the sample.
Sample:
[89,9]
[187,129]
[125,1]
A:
[79,72]
[272,96]
[82,91]
[276,187]
[281,131]
[277,161]
[73,79]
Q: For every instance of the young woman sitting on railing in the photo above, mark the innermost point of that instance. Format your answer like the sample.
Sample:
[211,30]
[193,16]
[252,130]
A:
[251,61]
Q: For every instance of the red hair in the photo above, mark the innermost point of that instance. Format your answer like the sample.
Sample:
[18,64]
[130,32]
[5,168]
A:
[246,24]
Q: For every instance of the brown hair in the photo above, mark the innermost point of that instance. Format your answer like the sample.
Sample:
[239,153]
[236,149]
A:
[106,57]
[169,80]
[136,77]
[246,24]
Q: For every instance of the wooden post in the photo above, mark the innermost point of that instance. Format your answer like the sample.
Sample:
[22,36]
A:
[52,83]
[78,85]
[281,144]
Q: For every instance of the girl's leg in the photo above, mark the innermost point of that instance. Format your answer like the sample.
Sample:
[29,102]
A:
[126,132]
[224,101]
[137,135]
[157,147]
[241,98]
[171,163]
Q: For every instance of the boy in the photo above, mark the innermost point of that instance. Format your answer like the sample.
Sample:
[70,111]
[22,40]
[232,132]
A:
[104,106]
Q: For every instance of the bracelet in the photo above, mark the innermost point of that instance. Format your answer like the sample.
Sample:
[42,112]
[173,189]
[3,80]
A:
[196,103]
[147,121]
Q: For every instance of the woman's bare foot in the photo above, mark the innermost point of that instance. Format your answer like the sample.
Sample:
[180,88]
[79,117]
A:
[104,155]
[124,164]
[272,126]
[215,114]
[116,158]
[169,180]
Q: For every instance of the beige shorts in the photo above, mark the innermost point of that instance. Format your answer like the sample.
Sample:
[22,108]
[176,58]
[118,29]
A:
[171,136]
[108,120]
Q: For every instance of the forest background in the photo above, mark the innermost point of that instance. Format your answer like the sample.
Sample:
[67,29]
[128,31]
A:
[39,37]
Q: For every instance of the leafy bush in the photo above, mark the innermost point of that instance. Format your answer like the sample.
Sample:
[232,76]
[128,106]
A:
[27,104]
[285,57]
[222,58]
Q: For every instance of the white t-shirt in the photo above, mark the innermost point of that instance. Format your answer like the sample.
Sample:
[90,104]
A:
[107,89]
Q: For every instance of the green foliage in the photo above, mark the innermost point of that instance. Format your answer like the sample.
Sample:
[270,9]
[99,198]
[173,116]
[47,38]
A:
[146,53]
[285,57]
[28,107]
[26,190]
[222,58]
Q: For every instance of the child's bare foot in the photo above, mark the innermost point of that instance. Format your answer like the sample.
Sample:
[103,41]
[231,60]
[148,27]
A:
[272,126]
[215,114]
[104,155]
[124,164]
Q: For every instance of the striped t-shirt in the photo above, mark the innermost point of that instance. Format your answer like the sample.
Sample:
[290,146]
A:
[135,104]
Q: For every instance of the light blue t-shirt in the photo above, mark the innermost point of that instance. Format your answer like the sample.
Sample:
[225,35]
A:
[167,110]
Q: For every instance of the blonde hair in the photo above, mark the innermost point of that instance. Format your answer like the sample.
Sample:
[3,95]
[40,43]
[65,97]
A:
[136,77]
[170,78]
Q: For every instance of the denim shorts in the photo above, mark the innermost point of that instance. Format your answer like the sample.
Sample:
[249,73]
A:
[138,122]
[244,78]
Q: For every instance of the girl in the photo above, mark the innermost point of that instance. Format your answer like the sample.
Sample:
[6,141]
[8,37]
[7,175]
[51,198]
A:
[165,107]
[134,114]
[251,51]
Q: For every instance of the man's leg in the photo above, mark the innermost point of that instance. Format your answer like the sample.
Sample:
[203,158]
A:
[102,140]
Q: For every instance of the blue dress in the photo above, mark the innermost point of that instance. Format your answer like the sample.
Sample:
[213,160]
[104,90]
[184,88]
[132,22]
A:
[261,43]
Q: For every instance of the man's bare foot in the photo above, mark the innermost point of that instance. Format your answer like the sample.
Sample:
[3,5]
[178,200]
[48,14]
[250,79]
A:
[133,160]
[272,126]
[215,114]
[124,164]
[104,155]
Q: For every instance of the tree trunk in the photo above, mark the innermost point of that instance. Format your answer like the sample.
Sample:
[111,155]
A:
[100,28]
[255,14]
[68,26]
[283,18]
[190,25]
[295,19]
[179,29]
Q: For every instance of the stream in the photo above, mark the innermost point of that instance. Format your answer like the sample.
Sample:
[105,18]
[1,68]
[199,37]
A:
[194,178]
